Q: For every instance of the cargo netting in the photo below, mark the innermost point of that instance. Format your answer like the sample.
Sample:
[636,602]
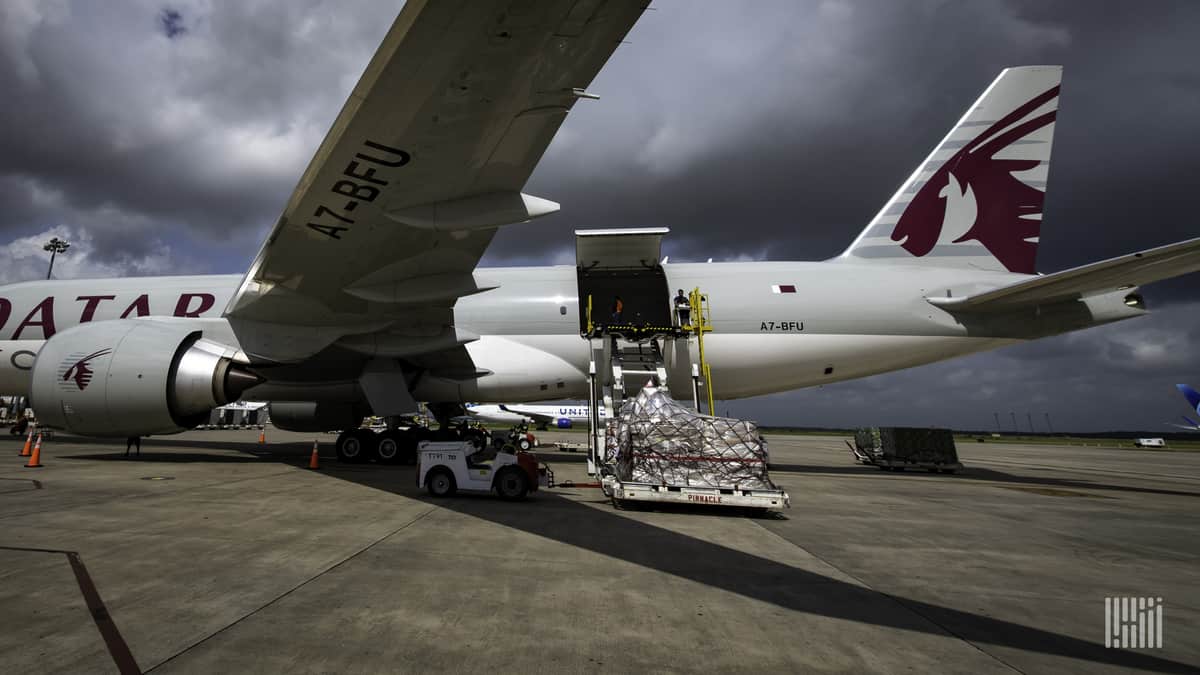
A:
[656,440]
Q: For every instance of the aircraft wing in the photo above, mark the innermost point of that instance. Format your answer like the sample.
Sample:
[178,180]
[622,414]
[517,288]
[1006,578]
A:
[1105,276]
[426,160]
[538,418]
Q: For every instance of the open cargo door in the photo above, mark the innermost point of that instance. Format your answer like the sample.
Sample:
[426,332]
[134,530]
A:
[622,263]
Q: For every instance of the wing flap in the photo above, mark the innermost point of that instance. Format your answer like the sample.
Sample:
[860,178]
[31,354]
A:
[1107,276]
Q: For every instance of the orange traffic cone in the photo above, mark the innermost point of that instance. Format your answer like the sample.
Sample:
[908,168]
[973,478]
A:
[262,436]
[28,443]
[314,461]
[35,460]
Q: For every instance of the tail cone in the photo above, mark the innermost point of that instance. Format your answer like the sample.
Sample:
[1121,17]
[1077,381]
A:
[35,460]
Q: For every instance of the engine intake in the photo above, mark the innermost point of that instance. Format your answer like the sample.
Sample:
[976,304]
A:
[133,378]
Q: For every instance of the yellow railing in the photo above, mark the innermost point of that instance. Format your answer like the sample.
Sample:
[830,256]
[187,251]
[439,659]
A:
[701,323]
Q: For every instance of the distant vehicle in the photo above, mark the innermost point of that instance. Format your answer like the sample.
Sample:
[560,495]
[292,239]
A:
[1193,399]
[1149,443]
[543,416]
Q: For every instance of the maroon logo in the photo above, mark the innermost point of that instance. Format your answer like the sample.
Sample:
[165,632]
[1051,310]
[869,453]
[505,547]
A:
[80,373]
[1000,199]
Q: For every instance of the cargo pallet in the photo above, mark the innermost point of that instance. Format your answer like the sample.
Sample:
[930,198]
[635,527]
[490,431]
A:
[900,448]
[623,493]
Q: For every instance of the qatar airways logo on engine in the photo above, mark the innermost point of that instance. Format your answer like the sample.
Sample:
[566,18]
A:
[77,372]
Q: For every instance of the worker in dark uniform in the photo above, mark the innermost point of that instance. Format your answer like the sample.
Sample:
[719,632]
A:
[133,442]
[683,307]
[618,309]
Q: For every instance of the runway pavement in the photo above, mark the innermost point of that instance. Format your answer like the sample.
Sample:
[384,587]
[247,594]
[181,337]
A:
[213,553]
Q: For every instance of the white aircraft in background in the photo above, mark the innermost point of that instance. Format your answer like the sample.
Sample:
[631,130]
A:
[562,416]
[366,297]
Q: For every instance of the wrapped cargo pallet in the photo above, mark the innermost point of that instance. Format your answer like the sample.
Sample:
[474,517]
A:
[658,441]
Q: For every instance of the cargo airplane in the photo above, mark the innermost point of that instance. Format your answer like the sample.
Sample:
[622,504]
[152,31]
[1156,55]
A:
[366,297]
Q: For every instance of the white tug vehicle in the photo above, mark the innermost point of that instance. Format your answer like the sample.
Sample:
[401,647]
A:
[447,467]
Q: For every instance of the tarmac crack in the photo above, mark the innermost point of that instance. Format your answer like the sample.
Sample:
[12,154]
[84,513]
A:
[895,599]
[293,589]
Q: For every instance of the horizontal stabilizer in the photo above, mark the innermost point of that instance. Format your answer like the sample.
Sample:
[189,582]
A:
[1106,276]
[1190,426]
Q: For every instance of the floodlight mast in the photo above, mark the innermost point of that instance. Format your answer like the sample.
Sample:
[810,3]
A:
[55,246]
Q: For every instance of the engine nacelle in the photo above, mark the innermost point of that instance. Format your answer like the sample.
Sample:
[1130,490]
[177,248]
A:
[309,416]
[133,378]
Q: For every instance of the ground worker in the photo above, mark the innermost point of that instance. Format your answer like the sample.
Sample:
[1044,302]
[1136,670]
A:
[683,307]
[618,308]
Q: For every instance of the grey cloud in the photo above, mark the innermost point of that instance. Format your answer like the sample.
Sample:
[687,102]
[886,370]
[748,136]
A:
[768,129]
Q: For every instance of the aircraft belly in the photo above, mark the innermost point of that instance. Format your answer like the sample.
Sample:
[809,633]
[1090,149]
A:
[520,368]
[16,365]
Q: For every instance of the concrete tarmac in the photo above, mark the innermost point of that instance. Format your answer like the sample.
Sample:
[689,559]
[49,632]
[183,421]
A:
[212,553]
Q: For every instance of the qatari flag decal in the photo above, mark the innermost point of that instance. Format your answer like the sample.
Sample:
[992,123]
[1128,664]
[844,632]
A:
[783,288]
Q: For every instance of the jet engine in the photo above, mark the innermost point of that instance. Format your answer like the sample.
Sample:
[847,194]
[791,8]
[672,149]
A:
[133,378]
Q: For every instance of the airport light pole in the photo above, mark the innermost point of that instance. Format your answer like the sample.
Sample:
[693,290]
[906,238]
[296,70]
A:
[997,416]
[55,246]
[1014,419]
[1048,425]
[1029,416]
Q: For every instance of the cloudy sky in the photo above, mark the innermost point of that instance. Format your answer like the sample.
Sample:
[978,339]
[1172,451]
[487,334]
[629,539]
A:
[166,137]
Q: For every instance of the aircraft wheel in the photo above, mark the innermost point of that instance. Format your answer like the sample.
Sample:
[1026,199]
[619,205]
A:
[388,449]
[512,484]
[440,482]
[350,447]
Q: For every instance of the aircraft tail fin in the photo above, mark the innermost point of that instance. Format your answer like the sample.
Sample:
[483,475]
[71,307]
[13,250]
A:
[1193,423]
[1192,396]
[976,200]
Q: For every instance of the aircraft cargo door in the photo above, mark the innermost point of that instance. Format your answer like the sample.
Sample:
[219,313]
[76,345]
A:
[622,263]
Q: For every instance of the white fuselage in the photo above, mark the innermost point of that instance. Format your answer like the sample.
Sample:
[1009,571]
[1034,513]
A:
[843,321]
[563,416]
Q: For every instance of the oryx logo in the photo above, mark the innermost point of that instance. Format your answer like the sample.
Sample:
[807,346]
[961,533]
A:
[974,196]
[78,371]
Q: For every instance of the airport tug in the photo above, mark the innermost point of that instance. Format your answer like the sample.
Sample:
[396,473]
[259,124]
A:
[445,468]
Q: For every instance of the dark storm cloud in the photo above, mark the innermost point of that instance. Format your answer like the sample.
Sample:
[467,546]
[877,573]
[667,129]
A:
[167,137]
[171,21]
[792,148]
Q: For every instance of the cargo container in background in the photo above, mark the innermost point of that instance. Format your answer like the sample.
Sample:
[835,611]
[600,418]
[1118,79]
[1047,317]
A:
[900,448]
